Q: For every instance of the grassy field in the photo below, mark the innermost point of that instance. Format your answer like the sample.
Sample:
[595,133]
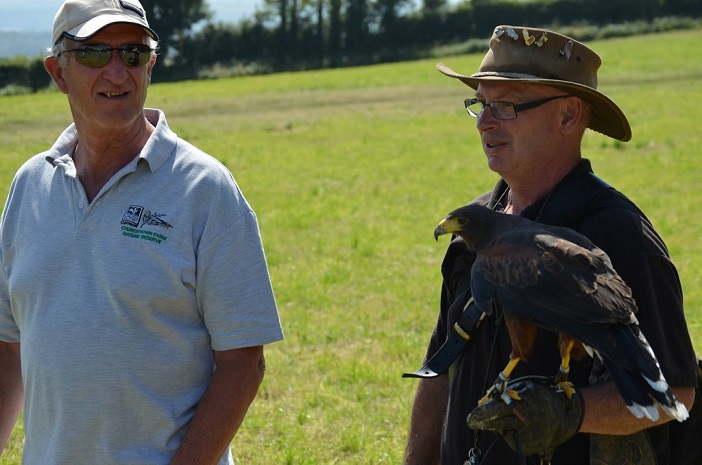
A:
[349,171]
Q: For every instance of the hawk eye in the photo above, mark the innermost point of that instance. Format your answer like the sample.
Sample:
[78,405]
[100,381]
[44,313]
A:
[462,221]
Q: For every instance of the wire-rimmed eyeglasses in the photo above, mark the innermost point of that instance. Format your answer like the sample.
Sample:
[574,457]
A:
[504,110]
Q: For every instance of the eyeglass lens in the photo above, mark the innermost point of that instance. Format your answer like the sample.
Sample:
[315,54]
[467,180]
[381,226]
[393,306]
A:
[505,110]
[98,56]
[500,110]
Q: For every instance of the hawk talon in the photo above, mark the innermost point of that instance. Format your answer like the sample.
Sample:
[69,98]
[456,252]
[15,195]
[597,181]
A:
[508,396]
[567,387]
[561,380]
[499,391]
[491,393]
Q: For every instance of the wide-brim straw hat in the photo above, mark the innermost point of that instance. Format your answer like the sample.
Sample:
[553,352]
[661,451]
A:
[540,56]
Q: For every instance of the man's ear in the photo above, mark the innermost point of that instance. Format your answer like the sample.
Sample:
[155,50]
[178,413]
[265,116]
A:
[53,67]
[573,113]
[151,65]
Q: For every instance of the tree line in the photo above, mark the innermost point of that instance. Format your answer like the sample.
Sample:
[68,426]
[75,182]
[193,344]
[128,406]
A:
[308,34]
[286,35]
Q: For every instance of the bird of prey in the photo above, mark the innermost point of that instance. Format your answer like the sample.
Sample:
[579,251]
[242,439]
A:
[557,279]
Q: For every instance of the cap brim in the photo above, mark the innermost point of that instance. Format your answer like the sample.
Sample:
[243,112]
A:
[89,28]
[608,118]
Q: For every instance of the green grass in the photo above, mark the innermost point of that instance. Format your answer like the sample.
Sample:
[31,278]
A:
[349,171]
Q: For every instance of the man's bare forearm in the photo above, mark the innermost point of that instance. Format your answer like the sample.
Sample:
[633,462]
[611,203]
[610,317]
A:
[606,412]
[11,389]
[224,404]
[428,410]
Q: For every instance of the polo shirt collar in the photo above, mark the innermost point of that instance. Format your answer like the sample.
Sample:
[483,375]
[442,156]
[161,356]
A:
[158,148]
[162,142]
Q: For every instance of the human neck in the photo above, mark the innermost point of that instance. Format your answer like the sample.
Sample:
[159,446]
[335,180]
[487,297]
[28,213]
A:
[100,154]
[527,190]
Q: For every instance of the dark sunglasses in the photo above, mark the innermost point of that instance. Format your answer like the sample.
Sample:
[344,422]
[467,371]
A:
[97,56]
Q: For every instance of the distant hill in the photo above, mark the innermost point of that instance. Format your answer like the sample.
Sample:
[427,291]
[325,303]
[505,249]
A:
[24,43]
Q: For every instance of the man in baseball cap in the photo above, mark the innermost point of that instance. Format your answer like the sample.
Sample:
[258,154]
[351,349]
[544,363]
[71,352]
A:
[135,299]
[533,97]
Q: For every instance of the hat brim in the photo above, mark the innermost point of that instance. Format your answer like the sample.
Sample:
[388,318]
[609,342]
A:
[607,119]
[91,27]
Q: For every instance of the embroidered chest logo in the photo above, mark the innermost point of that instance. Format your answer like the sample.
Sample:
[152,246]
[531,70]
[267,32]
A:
[135,220]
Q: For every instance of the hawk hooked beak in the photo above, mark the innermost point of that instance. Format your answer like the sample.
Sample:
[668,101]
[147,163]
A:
[449,225]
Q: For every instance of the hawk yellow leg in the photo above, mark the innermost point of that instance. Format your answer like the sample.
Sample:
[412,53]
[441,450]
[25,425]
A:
[561,379]
[500,386]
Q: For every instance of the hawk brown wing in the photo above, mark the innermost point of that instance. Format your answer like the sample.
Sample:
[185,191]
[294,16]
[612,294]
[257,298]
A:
[556,279]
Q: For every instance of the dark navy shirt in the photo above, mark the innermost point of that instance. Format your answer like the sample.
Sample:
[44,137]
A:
[640,257]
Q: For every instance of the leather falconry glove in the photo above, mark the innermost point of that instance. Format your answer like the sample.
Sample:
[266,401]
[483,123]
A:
[543,417]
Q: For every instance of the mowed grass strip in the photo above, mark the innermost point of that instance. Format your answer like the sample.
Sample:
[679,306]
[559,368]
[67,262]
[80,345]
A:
[349,171]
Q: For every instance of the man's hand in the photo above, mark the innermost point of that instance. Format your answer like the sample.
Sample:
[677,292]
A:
[542,419]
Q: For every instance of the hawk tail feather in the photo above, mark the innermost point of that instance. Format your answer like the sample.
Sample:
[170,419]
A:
[640,380]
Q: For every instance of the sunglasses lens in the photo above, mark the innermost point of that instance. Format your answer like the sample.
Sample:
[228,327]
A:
[135,55]
[97,57]
[93,57]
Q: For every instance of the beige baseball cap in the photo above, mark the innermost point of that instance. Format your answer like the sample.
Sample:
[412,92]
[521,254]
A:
[81,19]
[540,56]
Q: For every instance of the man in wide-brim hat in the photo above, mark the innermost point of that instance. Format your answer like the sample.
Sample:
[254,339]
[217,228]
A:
[535,95]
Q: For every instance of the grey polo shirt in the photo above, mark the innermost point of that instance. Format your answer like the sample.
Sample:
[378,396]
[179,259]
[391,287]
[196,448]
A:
[118,303]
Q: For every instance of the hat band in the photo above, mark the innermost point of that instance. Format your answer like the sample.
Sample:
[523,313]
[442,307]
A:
[505,75]
[557,81]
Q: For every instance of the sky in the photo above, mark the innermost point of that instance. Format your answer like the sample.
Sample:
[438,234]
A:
[38,15]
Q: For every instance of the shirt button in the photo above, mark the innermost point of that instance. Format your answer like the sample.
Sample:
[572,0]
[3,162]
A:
[81,205]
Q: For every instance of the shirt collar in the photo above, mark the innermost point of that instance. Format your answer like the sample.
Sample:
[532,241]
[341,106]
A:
[160,145]
[536,210]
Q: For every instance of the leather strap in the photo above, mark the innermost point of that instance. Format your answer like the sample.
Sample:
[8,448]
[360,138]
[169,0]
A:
[441,361]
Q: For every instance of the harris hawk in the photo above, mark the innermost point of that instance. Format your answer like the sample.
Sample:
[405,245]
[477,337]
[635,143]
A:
[557,279]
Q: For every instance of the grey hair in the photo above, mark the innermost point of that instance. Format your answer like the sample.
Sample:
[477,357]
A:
[56,51]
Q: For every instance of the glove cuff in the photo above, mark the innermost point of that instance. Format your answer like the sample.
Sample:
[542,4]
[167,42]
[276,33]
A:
[577,410]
